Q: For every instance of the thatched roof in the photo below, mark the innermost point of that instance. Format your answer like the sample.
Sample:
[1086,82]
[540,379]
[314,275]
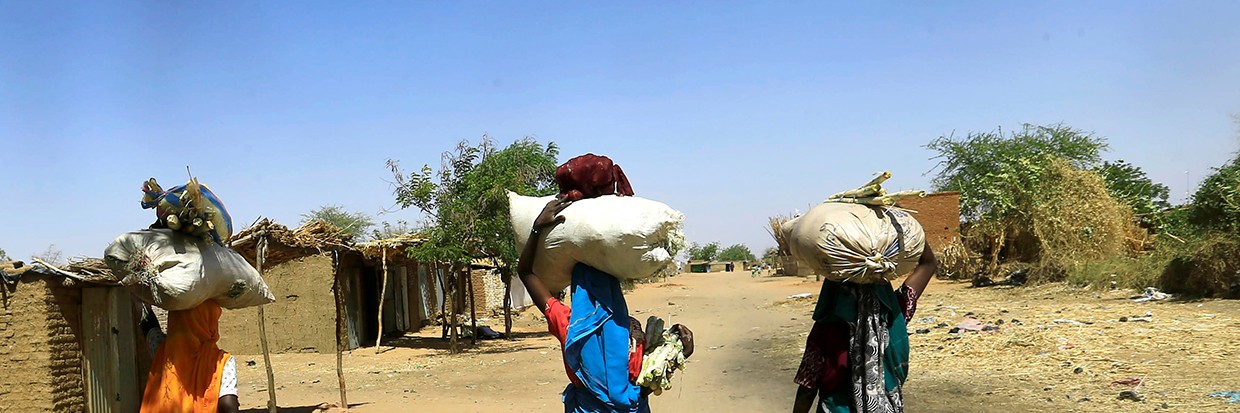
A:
[87,270]
[313,238]
[284,245]
[395,247]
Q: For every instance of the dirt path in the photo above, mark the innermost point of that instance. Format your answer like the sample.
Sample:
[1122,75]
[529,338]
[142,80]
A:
[750,335]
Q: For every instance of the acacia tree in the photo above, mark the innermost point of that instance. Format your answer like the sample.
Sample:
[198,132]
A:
[354,224]
[1128,184]
[737,252]
[997,175]
[466,206]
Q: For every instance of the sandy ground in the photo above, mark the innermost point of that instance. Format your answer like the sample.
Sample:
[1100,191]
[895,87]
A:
[749,340]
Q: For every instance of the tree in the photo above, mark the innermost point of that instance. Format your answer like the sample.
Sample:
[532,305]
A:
[1128,184]
[389,230]
[998,176]
[771,256]
[737,252]
[3,255]
[706,252]
[1216,204]
[352,223]
[466,204]
[51,255]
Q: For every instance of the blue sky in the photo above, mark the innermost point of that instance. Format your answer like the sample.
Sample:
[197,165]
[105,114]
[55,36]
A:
[729,112]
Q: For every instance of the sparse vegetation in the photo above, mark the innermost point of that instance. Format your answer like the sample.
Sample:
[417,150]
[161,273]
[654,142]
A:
[354,224]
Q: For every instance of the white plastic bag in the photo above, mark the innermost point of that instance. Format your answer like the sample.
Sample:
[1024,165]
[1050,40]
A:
[627,237]
[177,272]
[856,243]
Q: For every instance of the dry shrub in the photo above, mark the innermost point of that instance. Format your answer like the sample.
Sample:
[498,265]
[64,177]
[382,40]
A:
[1206,267]
[957,261]
[1074,220]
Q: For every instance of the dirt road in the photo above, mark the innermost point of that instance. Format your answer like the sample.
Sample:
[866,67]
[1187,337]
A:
[749,339]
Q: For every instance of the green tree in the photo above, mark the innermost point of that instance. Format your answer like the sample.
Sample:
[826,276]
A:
[998,176]
[51,255]
[706,252]
[737,252]
[1128,184]
[466,205]
[354,224]
[1216,204]
[3,255]
[392,230]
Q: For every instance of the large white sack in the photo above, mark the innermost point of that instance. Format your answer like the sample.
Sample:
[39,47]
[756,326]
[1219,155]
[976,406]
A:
[177,272]
[856,243]
[627,237]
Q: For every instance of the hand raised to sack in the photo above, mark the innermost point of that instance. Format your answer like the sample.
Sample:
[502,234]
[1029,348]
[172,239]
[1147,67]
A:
[550,214]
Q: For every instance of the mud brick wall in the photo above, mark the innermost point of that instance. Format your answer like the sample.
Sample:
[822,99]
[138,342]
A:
[40,347]
[302,319]
[939,216]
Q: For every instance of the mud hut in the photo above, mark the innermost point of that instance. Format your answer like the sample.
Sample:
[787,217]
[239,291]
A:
[69,339]
[304,267]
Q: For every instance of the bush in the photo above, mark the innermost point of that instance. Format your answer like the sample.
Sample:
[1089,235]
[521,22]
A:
[957,261]
[1074,220]
[1206,267]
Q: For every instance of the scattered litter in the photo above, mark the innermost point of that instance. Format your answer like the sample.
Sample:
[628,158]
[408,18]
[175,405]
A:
[799,296]
[1131,381]
[1152,294]
[923,331]
[1073,322]
[1231,396]
[1065,344]
[927,320]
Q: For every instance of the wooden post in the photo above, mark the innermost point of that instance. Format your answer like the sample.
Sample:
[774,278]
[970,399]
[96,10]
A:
[261,252]
[338,291]
[507,305]
[382,294]
[473,309]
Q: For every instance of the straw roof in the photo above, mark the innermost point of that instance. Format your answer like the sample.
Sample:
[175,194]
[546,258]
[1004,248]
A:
[284,245]
[88,270]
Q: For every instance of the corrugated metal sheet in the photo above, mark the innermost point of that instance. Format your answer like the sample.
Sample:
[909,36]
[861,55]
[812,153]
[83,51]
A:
[110,350]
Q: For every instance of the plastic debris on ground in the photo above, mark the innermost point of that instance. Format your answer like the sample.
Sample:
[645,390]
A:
[799,296]
[1152,294]
[1131,381]
[1231,396]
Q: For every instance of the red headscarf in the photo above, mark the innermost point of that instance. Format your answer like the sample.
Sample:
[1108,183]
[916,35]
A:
[591,176]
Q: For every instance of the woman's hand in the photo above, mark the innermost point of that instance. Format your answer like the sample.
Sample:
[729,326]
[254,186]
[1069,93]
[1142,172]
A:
[550,214]
[686,338]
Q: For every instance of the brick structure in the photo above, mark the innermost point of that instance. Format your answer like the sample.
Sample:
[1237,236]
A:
[939,216]
[40,346]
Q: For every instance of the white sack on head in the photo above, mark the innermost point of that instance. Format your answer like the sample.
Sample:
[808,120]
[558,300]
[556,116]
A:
[628,237]
[856,243]
[177,272]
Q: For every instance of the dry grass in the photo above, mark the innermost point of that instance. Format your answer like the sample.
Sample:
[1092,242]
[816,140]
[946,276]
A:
[957,261]
[1075,220]
[1180,355]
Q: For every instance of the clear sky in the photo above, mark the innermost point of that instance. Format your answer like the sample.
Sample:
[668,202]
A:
[729,112]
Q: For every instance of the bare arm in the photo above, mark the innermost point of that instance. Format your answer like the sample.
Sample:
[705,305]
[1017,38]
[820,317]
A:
[926,267]
[525,265]
[229,404]
[804,401]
